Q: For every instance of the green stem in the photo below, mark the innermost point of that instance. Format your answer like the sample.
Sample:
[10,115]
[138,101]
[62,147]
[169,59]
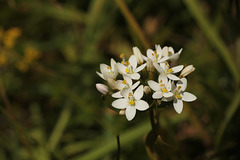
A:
[229,114]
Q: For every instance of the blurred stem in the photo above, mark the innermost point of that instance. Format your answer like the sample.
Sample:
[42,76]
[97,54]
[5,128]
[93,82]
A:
[119,147]
[212,36]
[231,109]
[12,117]
[127,138]
[133,23]
[59,127]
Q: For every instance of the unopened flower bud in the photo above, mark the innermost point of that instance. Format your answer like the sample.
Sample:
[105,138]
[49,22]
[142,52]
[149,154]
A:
[146,89]
[122,112]
[138,55]
[102,88]
[112,83]
[150,67]
[186,71]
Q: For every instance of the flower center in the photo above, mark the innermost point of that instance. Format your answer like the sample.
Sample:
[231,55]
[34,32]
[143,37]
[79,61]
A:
[164,90]
[170,70]
[129,70]
[177,94]
[124,82]
[131,102]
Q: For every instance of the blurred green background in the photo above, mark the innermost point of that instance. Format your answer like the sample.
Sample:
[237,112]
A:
[50,51]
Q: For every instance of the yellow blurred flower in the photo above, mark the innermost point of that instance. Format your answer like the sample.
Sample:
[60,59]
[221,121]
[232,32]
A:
[21,66]
[31,54]
[3,59]
[10,36]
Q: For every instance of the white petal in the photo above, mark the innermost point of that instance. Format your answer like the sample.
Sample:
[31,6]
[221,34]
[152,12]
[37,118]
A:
[117,95]
[120,103]
[138,93]
[135,76]
[159,50]
[145,58]
[183,83]
[138,69]
[141,105]
[168,94]
[165,51]
[101,75]
[133,61]
[135,85]
[121,68]
[113,62]
[154,85]
[173,77]
[178,105]
[130,112]
[158,68]
[165,99]
[128,79]
[188,97]
[157,95]
[177,69]
[150,53]
[163,78]
[125,92]
[163,59]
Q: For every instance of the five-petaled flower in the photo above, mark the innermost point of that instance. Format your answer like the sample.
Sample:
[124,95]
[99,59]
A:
[131,101]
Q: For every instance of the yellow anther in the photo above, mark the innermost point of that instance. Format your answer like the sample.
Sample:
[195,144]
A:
[122,62]
[170,70]
[121,55]
[161,84]
[108,67]
[131,102]
[124,81]
[178,96]
[179,87]
[164,90]
[169,53]
[127,63]
[127,70]
[130,94]
[160,81]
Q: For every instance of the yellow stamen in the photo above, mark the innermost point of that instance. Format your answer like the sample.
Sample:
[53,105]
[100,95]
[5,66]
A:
[131,102]
[108,67]
[127,63]
[130,94]
[179,87]
[122,62]
[127,70]
[161,84]
[164,90]
[178,96]
[170,70]
[121,55]
[169,53]
[124,81]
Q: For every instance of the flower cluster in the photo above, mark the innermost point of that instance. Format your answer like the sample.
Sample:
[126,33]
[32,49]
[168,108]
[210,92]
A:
[131,79]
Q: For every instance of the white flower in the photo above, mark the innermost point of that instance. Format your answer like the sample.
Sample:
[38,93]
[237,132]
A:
[123,84]
[187,70]
[164,68]
[108,71]
[138,55]
[102,88]
[131,68]
[131,102]
[180,95]
[156,56]
[162,88]
[168,53]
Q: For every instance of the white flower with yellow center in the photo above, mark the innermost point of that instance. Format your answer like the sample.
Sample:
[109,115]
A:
[169,53]
[131,102]
[164,68]
[108,71]
[124,84]
[130,68]
[156,56]
[179,95]
[162,88]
